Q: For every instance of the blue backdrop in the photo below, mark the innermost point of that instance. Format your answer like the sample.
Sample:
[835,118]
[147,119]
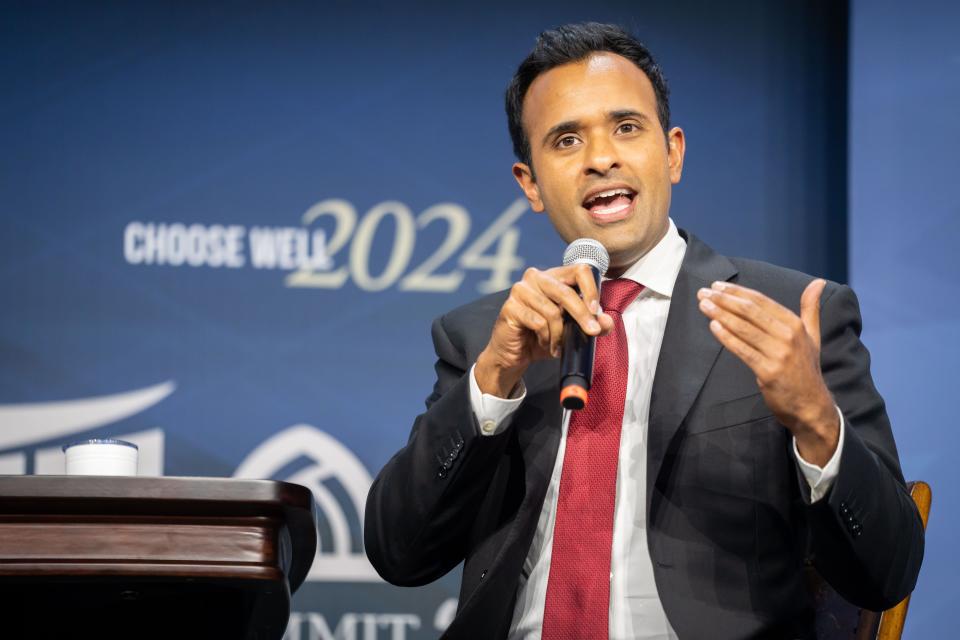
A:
[904,223]
[225,229]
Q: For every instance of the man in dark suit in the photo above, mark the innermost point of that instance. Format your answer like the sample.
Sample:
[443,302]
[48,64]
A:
[733,431]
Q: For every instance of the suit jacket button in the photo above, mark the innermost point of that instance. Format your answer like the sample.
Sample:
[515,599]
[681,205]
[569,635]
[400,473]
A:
[488,426]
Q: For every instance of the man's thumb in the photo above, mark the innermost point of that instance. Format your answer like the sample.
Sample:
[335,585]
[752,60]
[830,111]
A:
[810,309]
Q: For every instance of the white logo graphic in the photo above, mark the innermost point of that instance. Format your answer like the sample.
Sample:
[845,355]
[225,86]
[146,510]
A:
[22,425]
[445,614]
[339,483]
[315,625]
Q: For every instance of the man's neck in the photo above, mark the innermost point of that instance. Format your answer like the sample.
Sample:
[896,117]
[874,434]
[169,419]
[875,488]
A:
[615,271]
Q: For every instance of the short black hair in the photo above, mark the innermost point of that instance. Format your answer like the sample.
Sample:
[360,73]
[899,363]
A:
[573,43]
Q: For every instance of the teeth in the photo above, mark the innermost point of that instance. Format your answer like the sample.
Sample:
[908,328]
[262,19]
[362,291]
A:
[609,193]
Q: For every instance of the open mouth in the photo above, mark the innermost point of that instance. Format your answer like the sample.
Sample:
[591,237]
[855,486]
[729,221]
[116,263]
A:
[610,202]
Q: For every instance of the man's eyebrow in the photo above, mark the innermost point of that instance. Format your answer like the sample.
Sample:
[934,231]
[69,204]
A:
[623,114]
[568,126]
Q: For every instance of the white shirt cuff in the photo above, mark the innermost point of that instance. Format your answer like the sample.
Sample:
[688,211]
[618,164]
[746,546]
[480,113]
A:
[820,479]
[493,414]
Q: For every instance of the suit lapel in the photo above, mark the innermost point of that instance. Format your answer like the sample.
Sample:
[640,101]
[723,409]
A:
[539,436]
[537,426]
[542,381]
[687,353]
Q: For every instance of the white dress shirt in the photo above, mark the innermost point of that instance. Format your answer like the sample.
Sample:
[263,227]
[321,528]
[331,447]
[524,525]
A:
[635,607]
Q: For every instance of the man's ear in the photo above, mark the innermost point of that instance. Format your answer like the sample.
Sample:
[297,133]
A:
[528,183]
[676,147]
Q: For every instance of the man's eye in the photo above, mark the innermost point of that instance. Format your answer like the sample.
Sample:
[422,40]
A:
[627,127]
[566,141]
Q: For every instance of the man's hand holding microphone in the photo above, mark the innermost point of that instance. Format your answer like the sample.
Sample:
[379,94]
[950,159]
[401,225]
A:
[530,325]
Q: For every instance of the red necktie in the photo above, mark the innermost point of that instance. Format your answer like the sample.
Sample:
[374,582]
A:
[578,589]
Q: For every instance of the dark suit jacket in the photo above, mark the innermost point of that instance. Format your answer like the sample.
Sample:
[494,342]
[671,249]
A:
[730,524]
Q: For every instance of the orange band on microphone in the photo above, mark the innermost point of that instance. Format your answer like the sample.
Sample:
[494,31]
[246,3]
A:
[573,391]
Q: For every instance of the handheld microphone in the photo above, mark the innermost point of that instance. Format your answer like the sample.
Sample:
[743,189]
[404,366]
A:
[576,361]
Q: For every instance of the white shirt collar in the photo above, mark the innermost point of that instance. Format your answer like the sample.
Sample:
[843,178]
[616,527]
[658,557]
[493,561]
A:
[657,269]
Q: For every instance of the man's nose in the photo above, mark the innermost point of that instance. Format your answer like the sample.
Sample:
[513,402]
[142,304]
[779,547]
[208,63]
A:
[601,157]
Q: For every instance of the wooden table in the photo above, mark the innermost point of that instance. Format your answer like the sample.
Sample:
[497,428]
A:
[144,558]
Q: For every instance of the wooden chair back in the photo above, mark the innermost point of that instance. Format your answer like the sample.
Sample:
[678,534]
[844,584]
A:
[837,619]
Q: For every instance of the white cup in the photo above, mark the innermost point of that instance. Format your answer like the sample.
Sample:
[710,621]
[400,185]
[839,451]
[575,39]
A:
[101,457]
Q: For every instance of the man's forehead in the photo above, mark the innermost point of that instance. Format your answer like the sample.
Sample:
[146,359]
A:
[565,91]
